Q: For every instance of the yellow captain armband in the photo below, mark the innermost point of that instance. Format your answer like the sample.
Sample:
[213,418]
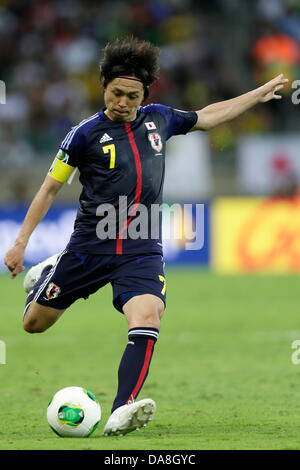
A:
[59,170]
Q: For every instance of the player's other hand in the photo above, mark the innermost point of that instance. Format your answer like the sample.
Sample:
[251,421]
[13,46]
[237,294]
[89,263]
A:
[268,91]
[14,259]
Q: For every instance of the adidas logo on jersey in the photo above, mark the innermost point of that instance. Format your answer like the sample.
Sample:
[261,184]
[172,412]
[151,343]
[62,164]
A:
[105,138]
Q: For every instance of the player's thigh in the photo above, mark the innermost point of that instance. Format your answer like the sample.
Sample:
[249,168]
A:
[39,318]
[74,276]
[144,310]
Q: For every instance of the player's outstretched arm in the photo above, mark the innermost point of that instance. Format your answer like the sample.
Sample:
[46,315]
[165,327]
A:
[42,201]
[218,113]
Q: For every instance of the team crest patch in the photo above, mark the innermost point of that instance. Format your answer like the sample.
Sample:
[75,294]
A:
[155,141]
[52,291]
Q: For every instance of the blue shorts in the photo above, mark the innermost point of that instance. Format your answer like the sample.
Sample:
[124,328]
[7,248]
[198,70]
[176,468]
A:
[78,275]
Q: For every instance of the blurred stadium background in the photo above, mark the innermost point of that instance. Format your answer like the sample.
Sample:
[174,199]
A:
[246,173]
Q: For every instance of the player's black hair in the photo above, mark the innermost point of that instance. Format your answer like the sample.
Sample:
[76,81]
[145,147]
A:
[130,57]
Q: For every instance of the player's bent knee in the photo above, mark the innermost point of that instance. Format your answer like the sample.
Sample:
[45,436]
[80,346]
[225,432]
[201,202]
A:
[160,309]
[39,318]
[145,310]
[148,319]
[33,326]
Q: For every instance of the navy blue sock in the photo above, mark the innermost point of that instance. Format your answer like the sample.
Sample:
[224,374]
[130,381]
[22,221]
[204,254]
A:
[134,365]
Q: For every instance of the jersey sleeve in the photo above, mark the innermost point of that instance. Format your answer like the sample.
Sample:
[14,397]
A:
[69,155]
[73,146]
[178,122]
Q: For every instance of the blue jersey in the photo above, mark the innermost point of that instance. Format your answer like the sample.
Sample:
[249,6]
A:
[122,166]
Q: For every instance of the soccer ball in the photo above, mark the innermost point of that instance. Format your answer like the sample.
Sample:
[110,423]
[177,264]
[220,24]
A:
[73,412]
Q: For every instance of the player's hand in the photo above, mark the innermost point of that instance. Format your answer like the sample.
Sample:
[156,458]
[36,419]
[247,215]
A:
[268,91]
[14,259]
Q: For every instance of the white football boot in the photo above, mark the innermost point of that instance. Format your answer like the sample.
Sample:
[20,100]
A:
[131,417]
[34,273]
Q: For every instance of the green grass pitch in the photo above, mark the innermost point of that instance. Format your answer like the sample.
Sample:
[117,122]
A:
[221,374]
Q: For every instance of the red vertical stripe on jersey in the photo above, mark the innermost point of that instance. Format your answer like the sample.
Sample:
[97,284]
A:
[143,373]
[138,189]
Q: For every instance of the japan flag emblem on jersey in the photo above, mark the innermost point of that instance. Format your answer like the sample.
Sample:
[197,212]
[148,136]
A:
[150,125]
[155,141]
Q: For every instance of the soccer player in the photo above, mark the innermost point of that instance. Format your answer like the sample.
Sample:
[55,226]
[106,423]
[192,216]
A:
[120,153]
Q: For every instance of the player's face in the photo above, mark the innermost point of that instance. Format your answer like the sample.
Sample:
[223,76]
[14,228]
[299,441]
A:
[122,98]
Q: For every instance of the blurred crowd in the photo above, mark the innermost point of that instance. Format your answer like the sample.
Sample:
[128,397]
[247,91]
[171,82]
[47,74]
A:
[210,50]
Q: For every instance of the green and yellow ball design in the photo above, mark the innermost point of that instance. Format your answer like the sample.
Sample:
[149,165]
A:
[71,414]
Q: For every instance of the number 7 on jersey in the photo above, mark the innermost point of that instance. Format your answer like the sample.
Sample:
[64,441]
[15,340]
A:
[111,149]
